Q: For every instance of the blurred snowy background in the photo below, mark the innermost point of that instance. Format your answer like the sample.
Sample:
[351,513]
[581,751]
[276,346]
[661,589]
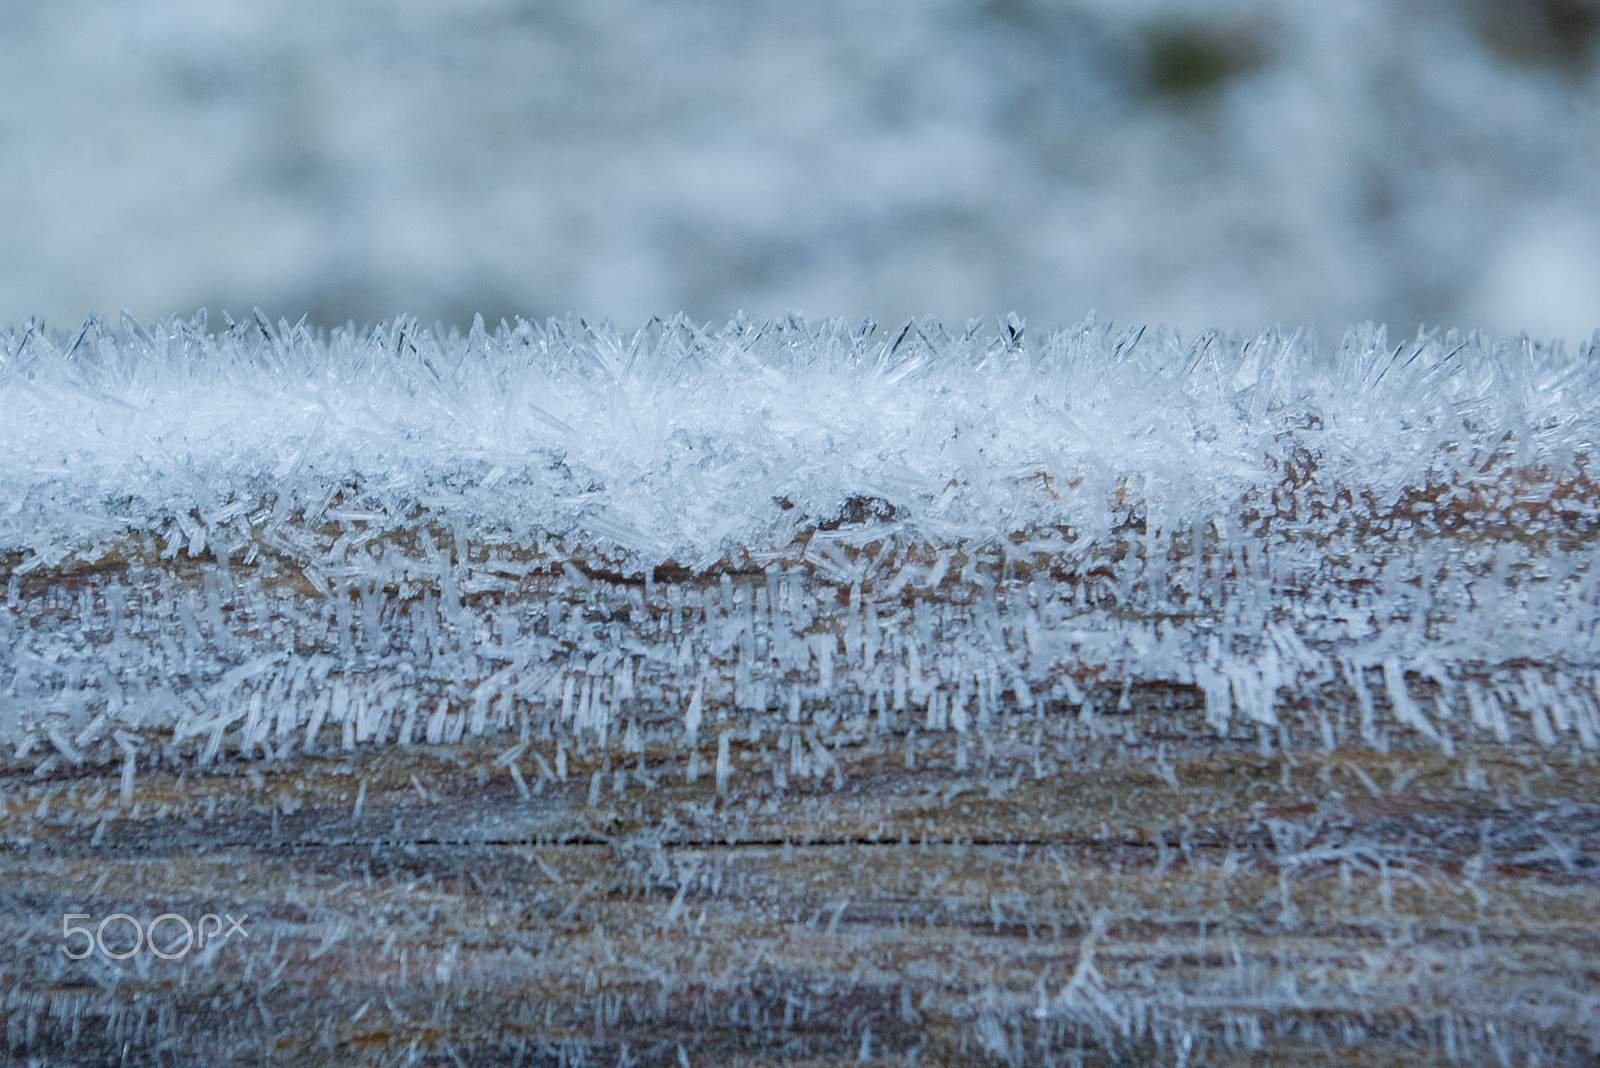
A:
[1230,163]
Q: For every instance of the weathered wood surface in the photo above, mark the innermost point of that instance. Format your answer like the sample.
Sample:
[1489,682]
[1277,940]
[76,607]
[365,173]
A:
[1044,890]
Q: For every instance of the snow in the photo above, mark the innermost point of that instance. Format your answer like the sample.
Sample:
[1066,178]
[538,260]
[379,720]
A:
[265,538]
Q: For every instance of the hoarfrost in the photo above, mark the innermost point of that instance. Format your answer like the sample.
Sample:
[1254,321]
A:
[268,537]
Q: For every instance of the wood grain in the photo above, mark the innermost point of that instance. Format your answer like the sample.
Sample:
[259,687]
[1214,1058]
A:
[1128,889]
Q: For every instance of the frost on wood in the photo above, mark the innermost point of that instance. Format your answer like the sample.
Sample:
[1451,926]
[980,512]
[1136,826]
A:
[267,540]
[627,562]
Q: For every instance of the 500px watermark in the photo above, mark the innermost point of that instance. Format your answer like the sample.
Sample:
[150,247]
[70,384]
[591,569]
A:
[193,936]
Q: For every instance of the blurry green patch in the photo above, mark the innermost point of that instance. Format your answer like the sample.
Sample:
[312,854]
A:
[1561,33]
[1183,58]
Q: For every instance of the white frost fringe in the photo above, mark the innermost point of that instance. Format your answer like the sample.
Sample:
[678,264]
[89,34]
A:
[403,535]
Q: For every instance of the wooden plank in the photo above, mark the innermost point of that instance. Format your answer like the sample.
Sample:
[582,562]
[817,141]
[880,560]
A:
[1045,891]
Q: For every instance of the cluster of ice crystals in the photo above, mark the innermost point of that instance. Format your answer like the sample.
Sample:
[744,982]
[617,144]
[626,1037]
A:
[268,539]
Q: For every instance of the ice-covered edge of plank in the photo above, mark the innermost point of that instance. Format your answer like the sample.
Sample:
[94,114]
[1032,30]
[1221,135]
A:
[250,536]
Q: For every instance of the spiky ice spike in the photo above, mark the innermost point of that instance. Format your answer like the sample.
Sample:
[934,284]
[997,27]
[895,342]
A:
[398,532]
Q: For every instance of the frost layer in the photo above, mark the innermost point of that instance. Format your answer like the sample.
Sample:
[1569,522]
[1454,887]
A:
[245,538]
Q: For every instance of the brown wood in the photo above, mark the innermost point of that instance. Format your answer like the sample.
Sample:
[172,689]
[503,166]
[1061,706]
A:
[1131,889]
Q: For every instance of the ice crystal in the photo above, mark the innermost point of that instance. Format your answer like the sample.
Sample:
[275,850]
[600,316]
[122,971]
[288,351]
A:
[269,538]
